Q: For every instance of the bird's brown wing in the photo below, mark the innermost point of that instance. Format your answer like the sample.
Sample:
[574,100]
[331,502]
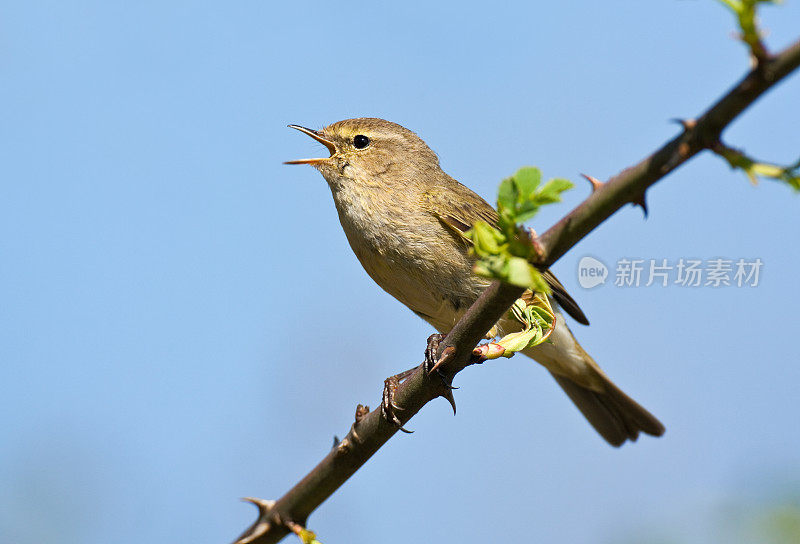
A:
[459,216]
[564,299]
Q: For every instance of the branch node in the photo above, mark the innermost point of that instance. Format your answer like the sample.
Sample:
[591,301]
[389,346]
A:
[353,437]
[305,536]
[484,352]
[343,447]
[684,150]
[361,412]
[536,245]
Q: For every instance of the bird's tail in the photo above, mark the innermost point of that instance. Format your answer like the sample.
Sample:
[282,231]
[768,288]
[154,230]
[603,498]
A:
[612,413]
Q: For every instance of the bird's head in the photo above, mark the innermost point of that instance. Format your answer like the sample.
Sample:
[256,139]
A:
[371,152]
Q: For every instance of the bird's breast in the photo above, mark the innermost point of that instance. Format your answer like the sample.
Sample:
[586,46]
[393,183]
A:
[406,251]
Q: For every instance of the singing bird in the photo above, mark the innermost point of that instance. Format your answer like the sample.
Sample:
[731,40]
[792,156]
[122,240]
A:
[403,217]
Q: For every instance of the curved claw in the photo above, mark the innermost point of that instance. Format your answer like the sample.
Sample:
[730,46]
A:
[431,362]
[433,365]
[388,406]
[389,415]
[445,382]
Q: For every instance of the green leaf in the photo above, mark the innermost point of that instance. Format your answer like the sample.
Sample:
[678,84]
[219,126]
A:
[486,239]
[516,193]
[527,179]
[546,319]
[551,192]
[538,284]
[307,537]
[517,341]
[504,254]
[531,315]
[520,196]
[521,272]
[506,195]
[527,213]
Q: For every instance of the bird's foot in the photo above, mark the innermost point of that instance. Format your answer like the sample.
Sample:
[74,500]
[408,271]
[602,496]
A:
[431,349]
[388,407]
[434,363]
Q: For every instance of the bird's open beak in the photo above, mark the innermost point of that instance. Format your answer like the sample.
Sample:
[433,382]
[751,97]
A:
[318,137]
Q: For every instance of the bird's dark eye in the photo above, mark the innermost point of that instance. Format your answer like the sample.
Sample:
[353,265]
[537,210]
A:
[360,141]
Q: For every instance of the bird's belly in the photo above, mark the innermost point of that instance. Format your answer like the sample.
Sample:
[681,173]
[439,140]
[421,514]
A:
[417,284]
[438,290]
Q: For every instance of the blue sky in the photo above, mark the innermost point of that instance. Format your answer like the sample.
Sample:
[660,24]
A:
[182,322]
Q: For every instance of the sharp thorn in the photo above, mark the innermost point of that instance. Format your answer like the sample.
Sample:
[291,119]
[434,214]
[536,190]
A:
[687,124]
[642,204]
[263,505]
[448,394]
[447,354]
[596,183]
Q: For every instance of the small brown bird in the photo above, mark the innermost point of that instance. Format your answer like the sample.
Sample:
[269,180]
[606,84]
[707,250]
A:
[401,214]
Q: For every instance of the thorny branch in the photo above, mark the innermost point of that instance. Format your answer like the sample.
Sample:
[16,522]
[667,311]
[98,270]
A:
[370,431]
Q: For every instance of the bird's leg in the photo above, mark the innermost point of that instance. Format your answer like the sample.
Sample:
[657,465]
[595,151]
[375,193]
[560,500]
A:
[388,406]
[433,363]
[430,365]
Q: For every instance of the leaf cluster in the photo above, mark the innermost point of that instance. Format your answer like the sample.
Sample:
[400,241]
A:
[538,321]
[505,253]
